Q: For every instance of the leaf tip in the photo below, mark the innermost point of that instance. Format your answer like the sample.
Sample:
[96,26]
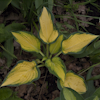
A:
[2,85]
[13,33]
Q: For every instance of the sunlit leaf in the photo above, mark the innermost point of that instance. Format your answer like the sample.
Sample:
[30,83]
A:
[56,67]
[86,52]
[47,31]
[27,41]
[76,42]
[75,82]
[54,47]
[23,73]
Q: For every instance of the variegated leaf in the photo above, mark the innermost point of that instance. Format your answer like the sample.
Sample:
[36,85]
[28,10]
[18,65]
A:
[47,31]
[24,72]
[76,42]
[75,82]
[56,67]
[54,47]
[27,41]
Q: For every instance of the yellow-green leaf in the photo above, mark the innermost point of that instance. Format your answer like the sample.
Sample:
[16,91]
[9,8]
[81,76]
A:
[47,32]
[96,98]
[75,82]
[24,72]
[70,94]
[54,47]
[77,42]
[27,41]
[56,67]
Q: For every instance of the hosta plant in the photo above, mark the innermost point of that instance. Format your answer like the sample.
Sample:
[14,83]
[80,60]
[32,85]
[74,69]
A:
[25,72]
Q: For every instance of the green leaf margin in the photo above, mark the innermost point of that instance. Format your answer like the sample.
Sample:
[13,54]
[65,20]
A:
[21,61]
[54,26]
[54,72]
[70,71]
[82,50]
[30,34]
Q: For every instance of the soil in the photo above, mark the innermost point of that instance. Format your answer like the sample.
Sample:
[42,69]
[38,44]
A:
[46,87]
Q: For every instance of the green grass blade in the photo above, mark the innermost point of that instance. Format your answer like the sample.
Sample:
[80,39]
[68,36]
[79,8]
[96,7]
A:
[94,78]
[87,16]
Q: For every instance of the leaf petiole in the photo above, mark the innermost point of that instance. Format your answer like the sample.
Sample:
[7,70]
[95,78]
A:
[40,65]
[47,53]
[50,56]
[41,53]
[58,54]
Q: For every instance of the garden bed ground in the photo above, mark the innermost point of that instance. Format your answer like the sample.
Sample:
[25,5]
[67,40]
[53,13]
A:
[46,87]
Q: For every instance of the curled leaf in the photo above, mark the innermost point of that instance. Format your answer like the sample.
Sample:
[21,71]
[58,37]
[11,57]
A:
[56,67]
[24,72]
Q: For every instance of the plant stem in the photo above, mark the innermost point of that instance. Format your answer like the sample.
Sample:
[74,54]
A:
[42,53]
[88,68]
[40,65]
[50,56]
[47,48]
[8,52]
[58,54]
